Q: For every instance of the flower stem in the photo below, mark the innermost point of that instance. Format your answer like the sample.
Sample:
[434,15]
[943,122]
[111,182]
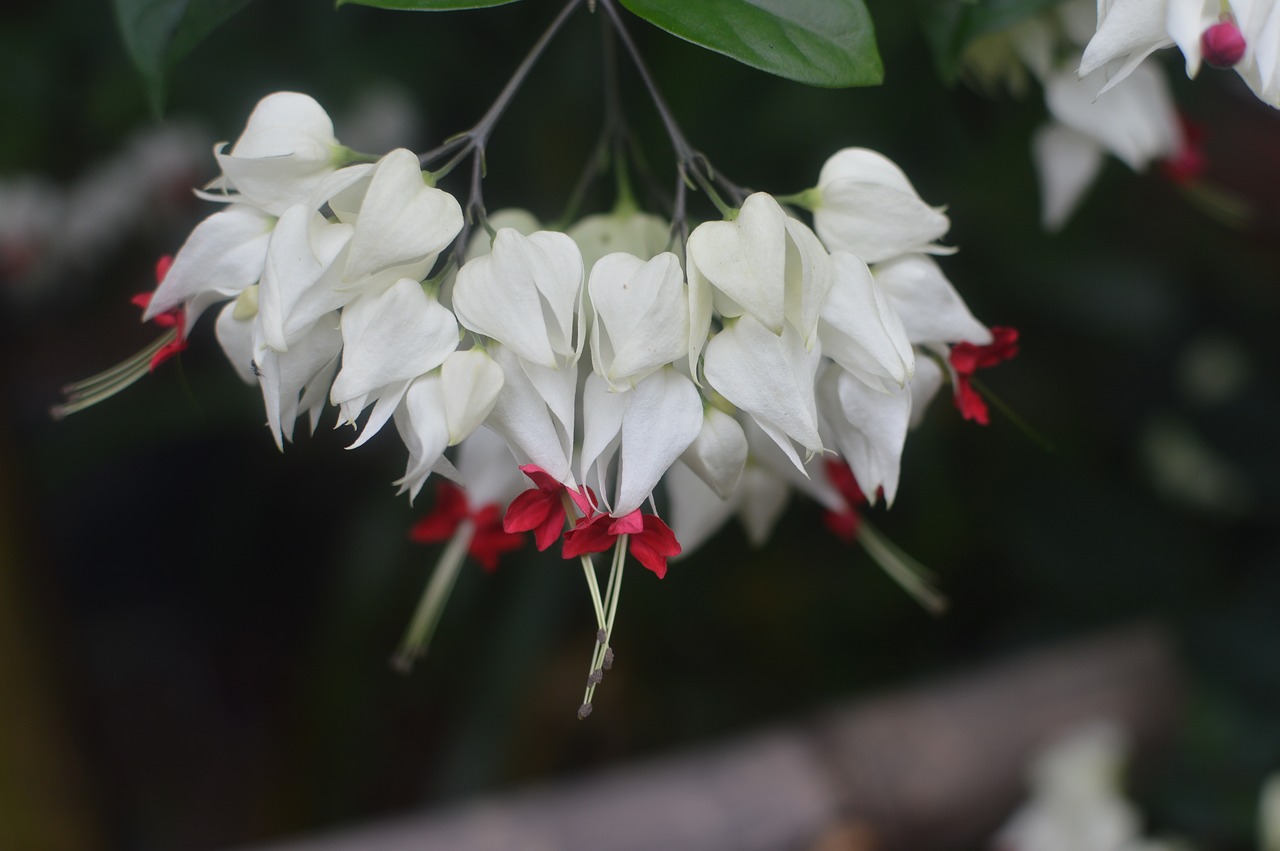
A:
[417,638]
[911,575]
[472,142]
[478,136]
[689,163]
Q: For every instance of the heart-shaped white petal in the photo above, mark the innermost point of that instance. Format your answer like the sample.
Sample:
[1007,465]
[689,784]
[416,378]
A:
[392,337]
[402,221]
[869,207]
[770,377]
[287,376]
[719,452]
[746,260]
[1067,162]
[294,293]
[525,294]
[663,416]
[861,331]
[222,256]
[286,150]
[521,416]
[930,308]
[641,316]
[420,419]
[870,428]
[471,384]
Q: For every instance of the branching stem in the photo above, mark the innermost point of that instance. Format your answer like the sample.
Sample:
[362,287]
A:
[691,166]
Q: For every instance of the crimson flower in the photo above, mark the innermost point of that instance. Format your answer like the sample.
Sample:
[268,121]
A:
[488,541]
[966,359]
[541,508]
[173,318]
[844,523]
[650,540]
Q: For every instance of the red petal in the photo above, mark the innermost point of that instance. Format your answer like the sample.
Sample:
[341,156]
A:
[542,479]
[489,540]
[1003,347]
[631,524]
[589,535]
[167,351]
[971,405]
[843,479]
[529,510]
[654,545]
[442,521]
[162,268]
[550,530]
[843,524]
[585,498]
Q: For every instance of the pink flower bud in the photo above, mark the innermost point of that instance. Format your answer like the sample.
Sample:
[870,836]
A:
[1222,45]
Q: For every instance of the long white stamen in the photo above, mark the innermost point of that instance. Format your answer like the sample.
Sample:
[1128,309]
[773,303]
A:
[602,650]
[96,388]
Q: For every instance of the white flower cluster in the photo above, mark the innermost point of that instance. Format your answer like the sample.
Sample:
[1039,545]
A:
[595,354]
[1240,34]
[1132,118]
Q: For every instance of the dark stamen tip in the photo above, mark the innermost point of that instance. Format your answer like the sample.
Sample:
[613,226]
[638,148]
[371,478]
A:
[595,676]
[601,636]
[608,658]
[583,711]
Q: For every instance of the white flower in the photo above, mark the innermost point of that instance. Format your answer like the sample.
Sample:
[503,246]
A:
[525,294]
[719,452]
[640,316]
[1135,121]
[389,339]
[286,151]
[930,309]
[1260,65]
[1076,800]
[869,427]
[763,264]
[537,432]
[223,255]
[443,408]
[401,223]
[626,229]
[758,499]
[299,280]
[864,204]
[1129,30]
[771,378]
[861,331]
[647,427]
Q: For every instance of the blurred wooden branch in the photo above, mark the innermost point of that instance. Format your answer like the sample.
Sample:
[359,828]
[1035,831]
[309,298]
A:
[934,766]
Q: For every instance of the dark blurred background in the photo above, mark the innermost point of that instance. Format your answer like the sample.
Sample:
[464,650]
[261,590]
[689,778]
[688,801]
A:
[194,628]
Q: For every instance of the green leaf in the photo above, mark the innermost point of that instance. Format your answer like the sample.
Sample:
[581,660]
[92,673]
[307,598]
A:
[157,33]
[827,43]
[951,26]
[427,5]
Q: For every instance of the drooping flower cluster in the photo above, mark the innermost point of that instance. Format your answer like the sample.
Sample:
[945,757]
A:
[605,358]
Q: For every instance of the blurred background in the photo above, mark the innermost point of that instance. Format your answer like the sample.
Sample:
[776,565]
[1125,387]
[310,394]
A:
[194,628]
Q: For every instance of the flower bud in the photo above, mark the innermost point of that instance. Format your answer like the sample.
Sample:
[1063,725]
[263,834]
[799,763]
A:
[1222,45]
